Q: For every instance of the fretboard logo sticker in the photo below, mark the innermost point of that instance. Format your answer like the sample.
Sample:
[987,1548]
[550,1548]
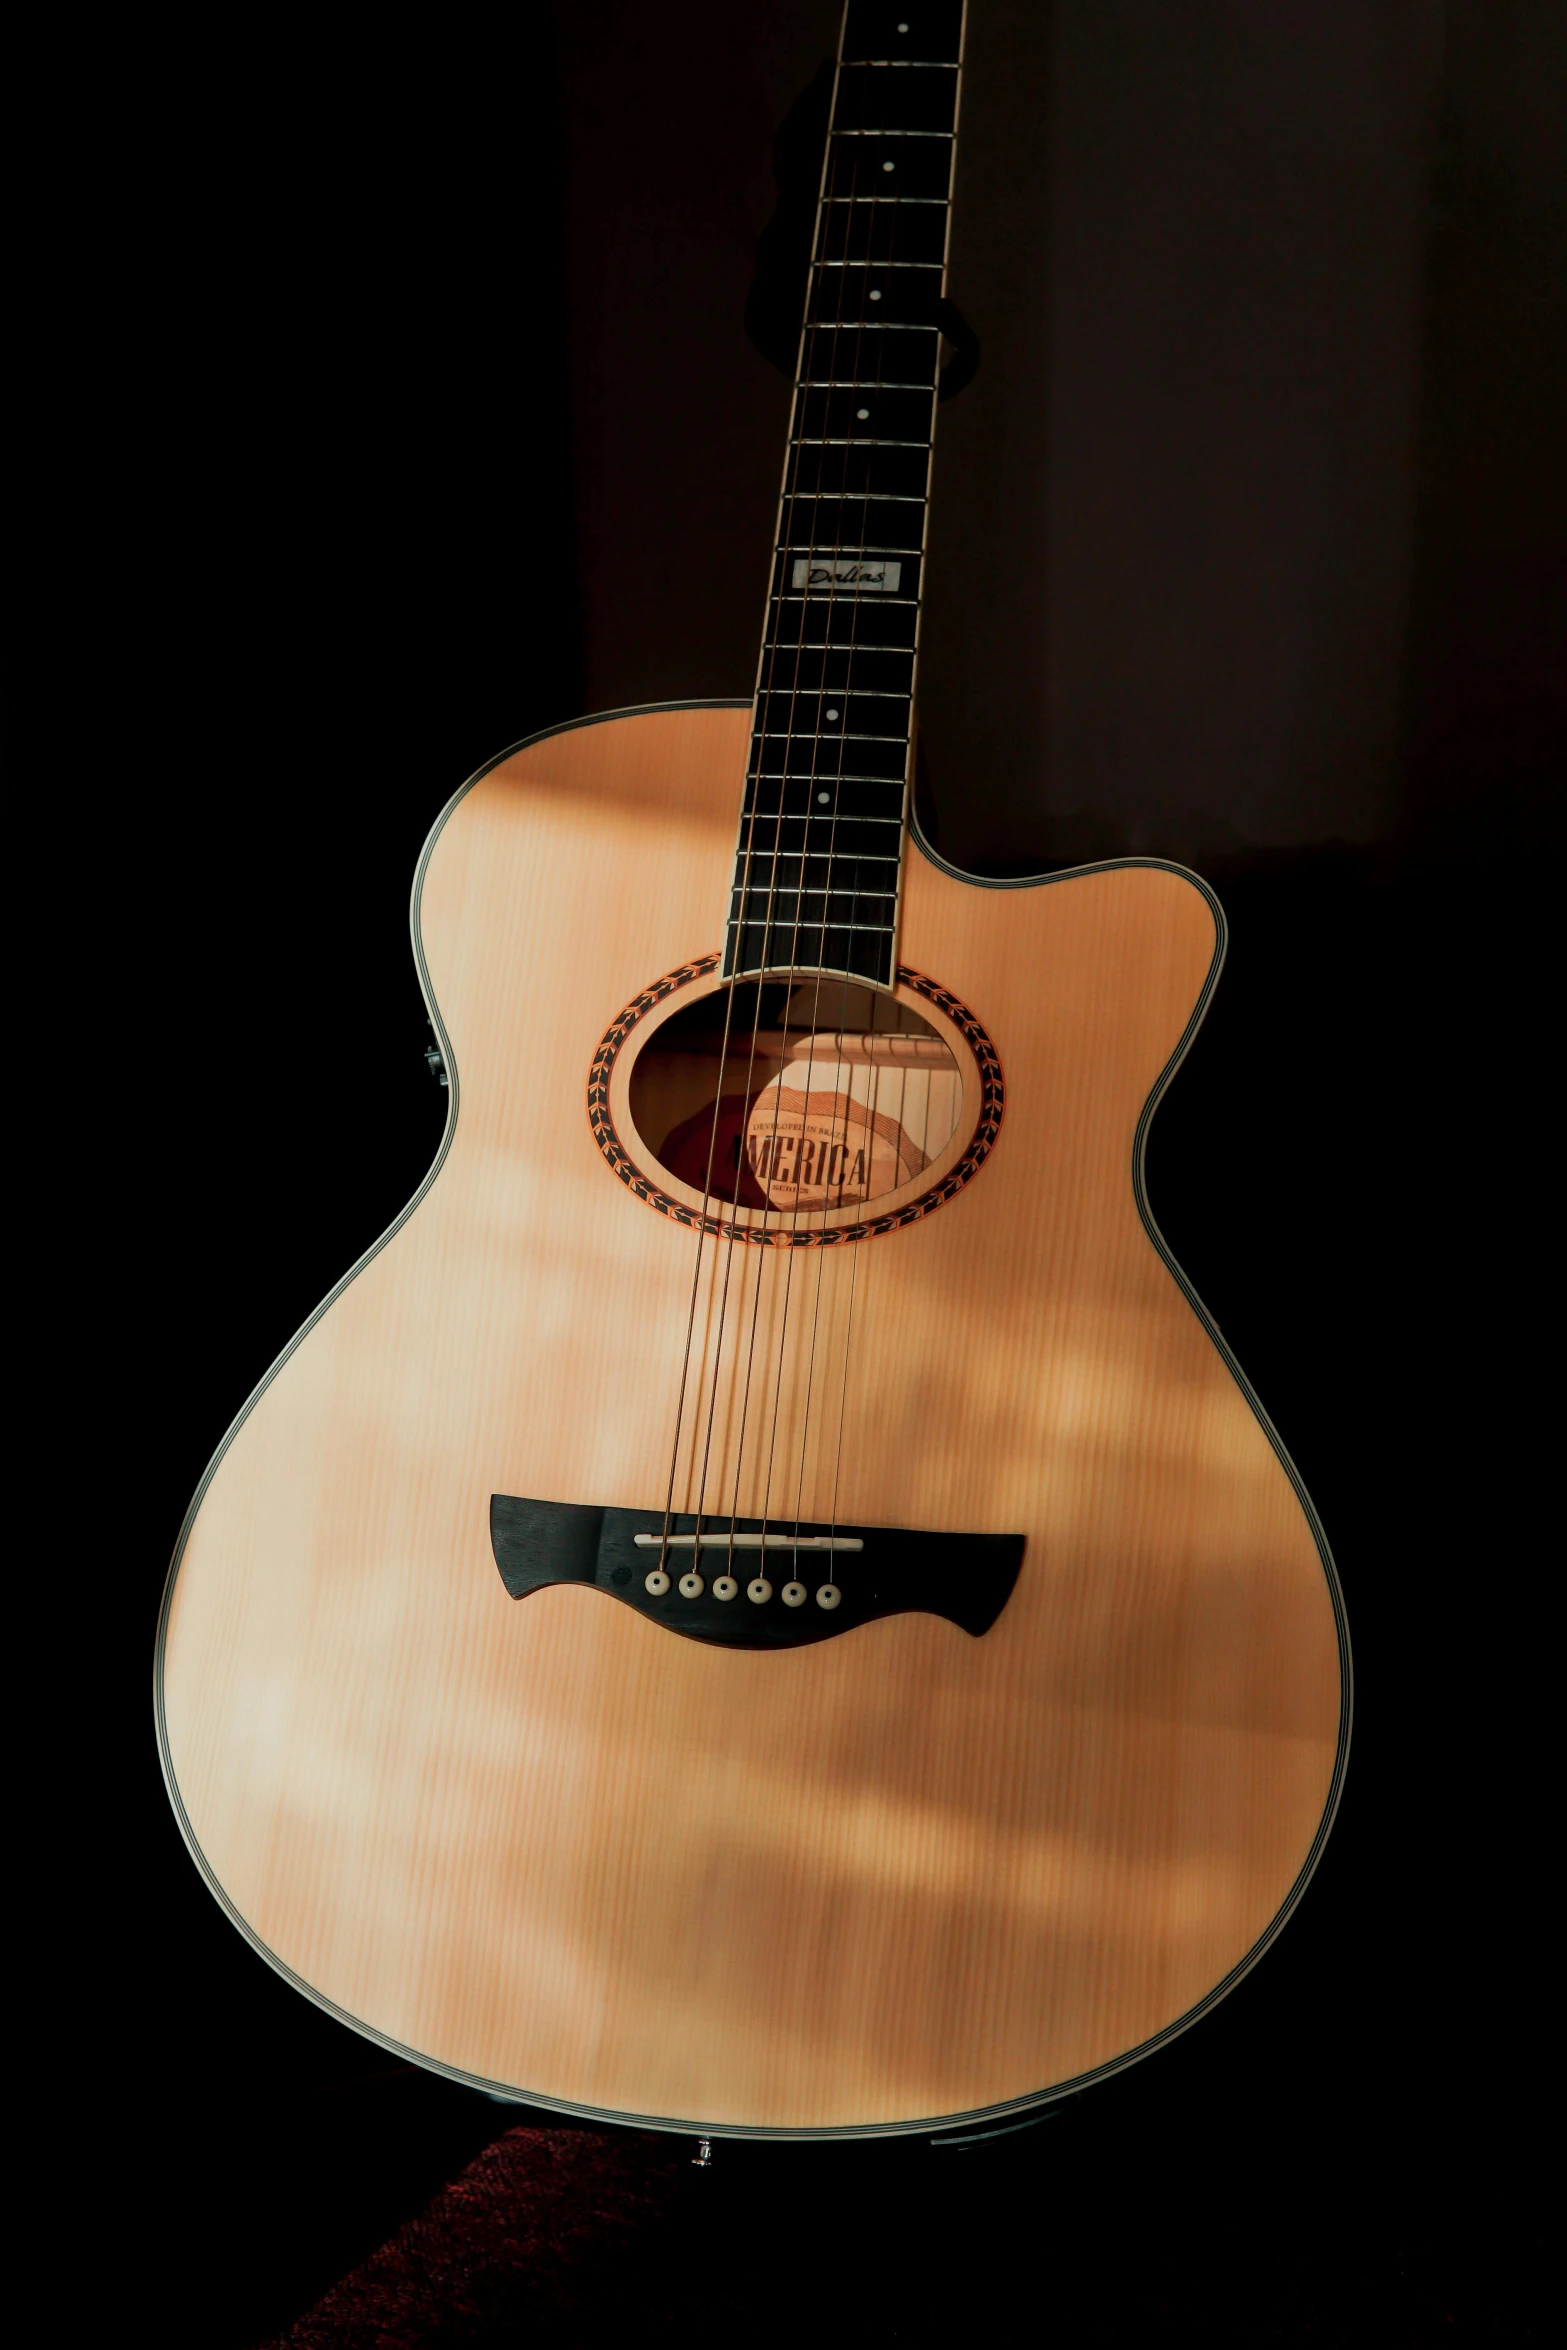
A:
[839,572]
[761,1235]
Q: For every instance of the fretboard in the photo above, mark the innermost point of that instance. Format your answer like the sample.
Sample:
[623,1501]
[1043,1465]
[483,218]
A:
[820,859]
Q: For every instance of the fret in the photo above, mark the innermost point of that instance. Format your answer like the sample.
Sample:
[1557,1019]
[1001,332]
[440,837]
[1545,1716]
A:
[878,507]
[835,654]
[851,383]
[833,734]
[760,903]
[853,357]
[819,859]
[823,846]
[834,837]
[781,749]
[790,943]
[877,299]
[864,880]
[836,557]
[871,763]
[869,674]
[912,231]
[795,942]
[872,893]
[789,930]
[800,866]
[828,799]
[775,921]
[873,472]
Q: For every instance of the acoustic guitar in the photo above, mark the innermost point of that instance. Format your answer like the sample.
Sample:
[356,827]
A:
[763,1605]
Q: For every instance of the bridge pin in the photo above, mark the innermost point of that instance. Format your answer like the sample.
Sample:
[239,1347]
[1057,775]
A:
[759,1590]
[795,1595]
[657,1582]
[692,1586]
[724,1587]
[829,1595]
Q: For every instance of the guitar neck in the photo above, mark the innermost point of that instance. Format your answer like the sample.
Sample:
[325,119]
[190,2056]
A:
[820,857]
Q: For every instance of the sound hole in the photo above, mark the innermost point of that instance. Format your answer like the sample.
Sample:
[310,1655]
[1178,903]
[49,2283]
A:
[796,1095]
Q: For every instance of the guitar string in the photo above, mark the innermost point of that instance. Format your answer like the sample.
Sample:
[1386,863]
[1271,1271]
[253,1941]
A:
[825,1161]
[870,1111]
[873,1108]
[815,329]
[908,786]
[763,706]
[818,775]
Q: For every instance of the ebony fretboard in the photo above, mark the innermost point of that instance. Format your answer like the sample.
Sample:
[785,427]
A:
[821,832]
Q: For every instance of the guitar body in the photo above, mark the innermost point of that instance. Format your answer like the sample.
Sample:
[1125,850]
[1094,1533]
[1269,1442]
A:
[896,1876]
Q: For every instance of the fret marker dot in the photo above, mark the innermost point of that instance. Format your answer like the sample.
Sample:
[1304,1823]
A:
[875,297]
[862,413]
[903,28]
[832,713]
[887,167]
[821,799]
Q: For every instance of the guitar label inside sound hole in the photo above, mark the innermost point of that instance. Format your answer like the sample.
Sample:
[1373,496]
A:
[795,1097]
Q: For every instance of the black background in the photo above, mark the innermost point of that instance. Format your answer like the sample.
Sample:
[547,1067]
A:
[409,409]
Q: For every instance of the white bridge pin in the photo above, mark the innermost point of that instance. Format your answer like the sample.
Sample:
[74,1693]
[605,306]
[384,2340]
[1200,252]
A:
[794,1595]
[828,1596]
[657,1582]
[724,1587]
[759,1590]
[692,1586]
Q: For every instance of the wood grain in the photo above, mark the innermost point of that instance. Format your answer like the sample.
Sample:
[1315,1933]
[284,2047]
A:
[900,1875]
